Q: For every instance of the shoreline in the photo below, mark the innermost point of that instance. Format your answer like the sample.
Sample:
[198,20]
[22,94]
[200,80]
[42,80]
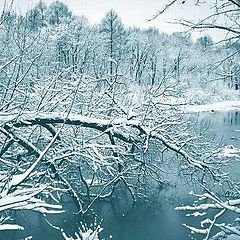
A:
[223,106]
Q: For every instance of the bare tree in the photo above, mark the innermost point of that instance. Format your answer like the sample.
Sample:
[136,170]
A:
[212,205]
[56,134]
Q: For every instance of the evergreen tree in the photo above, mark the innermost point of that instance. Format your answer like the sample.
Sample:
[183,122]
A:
[204,42]
[57,12]
[36,17]
[114,38]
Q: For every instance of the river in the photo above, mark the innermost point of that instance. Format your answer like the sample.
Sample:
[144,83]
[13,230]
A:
[155,219]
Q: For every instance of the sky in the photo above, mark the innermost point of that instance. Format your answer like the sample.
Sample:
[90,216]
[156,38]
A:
[134,12]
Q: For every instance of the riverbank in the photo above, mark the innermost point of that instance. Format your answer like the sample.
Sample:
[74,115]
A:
[223,106]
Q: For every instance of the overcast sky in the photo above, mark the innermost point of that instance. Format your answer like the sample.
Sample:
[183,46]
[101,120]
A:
[132,12]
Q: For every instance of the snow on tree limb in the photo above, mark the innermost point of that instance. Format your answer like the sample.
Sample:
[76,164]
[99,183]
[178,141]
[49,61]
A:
[218,208]
[103,125]
[5,227]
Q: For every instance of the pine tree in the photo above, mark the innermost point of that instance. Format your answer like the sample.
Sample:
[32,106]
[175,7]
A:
[114,38]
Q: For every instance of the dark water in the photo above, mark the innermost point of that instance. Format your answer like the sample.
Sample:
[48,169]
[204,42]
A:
[152,220]
[122,220]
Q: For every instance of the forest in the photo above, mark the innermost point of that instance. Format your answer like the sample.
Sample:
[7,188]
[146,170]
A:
[94,113]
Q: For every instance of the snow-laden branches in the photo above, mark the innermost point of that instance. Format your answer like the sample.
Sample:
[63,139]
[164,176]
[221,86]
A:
[25,199]
[10,227]
[105,126]
[14,195]
[211,211]
[92,154]
[82,117]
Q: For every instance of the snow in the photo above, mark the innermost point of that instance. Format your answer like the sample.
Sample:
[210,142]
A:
[196,214]
[10,227]
[196,230]
[230,151]
[86,234]
[228,205]
[233,237]
[92,182]
[112,60]
[27,117]
[224,106]
[235,231]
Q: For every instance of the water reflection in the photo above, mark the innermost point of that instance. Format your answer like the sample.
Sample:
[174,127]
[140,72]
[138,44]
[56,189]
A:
[152,220]
[121,220]
[224,125]
[232,118]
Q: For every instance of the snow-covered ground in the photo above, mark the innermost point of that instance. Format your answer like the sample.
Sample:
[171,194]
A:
[229,151]
[224,106]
